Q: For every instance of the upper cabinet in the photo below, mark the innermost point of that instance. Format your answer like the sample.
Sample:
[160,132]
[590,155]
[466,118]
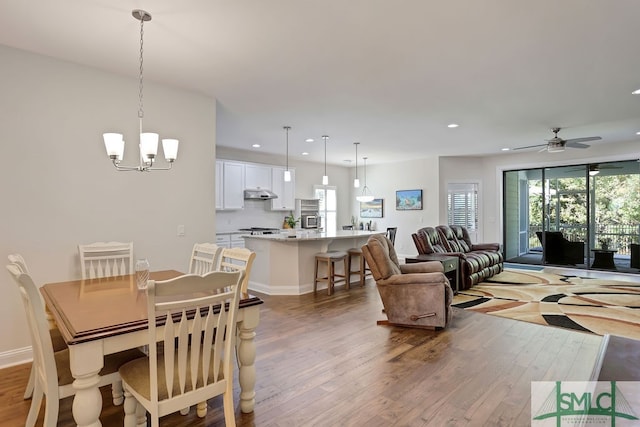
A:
[286,191]
[232,185]
[257,176]
[232,178]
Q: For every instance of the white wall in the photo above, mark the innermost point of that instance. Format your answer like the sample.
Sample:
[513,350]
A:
[384,180]
[59,188]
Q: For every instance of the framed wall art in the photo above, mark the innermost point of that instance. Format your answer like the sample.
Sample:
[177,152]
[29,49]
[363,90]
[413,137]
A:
[372,209]
[408,200]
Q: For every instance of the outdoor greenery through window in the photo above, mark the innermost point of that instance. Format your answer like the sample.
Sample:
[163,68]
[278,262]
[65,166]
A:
[595,204]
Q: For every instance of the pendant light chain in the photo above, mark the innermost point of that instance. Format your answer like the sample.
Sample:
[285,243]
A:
[141,84]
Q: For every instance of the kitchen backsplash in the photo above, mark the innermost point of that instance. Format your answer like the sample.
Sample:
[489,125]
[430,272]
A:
[256,213]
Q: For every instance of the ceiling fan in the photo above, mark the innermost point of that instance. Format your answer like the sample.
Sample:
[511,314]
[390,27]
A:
[557,144]
[595,168]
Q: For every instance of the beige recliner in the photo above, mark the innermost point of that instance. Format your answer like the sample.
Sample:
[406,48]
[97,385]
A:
[415,295]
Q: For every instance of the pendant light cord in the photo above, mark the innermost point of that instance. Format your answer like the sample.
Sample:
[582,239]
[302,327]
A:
[325,154]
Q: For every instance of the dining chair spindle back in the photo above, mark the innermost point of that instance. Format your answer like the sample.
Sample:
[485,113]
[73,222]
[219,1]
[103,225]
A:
[205,257]
[52,374]
[234,259]
[193,360]
[56,338]
[106,259]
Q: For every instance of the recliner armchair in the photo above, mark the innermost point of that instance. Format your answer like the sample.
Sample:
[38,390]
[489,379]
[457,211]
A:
[415,295]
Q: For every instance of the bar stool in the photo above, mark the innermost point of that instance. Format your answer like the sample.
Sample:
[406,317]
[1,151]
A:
[330,258]
[361,271]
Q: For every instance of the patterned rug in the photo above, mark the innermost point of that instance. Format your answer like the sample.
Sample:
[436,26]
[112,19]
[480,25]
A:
[584,304]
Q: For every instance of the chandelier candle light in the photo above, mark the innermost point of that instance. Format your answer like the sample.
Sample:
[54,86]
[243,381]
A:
[366,195]
[114,142]
[325,177]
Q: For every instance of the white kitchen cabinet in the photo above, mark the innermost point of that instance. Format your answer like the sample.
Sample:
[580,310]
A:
[286,191]
[219,184]
[233,185]
[257,176]
[230,240]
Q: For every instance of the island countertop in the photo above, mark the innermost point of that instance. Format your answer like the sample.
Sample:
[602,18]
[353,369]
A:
[307,235]
[285,265]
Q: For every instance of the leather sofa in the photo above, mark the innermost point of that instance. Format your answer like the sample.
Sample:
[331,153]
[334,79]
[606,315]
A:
[477,261]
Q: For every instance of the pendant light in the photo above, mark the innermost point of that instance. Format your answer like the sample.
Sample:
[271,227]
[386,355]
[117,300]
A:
[325,177]
[114,142]
[287,173]
[366,195]
[356,181]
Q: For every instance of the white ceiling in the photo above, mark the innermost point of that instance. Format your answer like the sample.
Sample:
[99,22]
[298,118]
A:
[390,74]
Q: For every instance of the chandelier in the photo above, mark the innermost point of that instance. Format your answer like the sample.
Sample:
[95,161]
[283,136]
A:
[114,142]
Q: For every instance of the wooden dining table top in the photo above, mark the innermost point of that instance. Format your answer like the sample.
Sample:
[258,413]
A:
[91,309]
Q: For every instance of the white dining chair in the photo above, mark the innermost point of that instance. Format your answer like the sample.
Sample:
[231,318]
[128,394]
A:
[195,363]
[205,257]
[234,259]
[52,372]
[106,259]
[57,340]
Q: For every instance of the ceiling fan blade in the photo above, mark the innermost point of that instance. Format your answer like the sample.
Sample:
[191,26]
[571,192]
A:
[529,146]
[574,144]
[589,138]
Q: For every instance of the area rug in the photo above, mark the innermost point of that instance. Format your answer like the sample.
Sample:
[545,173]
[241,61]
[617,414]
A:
[592,305]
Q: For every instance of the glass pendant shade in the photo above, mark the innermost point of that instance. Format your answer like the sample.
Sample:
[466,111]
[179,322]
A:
[356,183]
[287,176]
[366,195]
[148,145]
[325,180]
[170,148]
[114,144]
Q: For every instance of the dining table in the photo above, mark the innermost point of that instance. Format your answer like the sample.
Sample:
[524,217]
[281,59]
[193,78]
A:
[102,316]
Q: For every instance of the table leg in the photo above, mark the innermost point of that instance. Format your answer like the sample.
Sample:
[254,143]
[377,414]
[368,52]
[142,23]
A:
[247,357]
[86,361]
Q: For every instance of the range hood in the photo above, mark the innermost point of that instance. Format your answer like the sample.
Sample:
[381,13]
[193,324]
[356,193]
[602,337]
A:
[259,194]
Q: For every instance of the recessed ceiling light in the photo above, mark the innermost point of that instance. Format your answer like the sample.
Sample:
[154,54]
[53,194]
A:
[304,153]
[638,133]
[506,149]
[453,125]
[308,140]
[256,145]
[636,92]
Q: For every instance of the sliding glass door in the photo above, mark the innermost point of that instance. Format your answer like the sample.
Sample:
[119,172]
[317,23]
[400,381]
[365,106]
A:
[581,216]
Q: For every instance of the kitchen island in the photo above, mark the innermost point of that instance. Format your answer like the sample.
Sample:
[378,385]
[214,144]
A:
[285,265]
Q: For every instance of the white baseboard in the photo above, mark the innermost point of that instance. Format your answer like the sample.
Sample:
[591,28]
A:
[16,357]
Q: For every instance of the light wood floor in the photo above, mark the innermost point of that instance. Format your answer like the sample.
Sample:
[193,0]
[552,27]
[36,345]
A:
[323,361]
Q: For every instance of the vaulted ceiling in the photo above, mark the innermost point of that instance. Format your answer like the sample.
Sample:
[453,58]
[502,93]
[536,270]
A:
[389,74]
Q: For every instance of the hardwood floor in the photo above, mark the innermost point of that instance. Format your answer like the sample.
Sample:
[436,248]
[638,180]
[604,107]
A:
[323,361]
